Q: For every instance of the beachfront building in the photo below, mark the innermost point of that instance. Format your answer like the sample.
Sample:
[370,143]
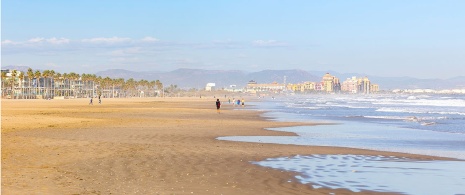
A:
[50,85]
[350,85]
[364,85]
[359,85]
[293,87]
[12,83]
[304,87]
[308,87]
[210,87]
[232,88]
[253,87]
[330,84]
[374,88]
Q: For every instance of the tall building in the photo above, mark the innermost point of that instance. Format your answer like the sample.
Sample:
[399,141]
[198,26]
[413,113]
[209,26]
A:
[350,85]
[364,85]
[359,85]
[330,83]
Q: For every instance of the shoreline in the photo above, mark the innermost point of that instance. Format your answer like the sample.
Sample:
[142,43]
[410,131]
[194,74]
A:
[156,145]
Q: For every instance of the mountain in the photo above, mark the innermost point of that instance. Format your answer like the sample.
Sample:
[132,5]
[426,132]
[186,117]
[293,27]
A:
[198,78]
[292,76]
[19,68]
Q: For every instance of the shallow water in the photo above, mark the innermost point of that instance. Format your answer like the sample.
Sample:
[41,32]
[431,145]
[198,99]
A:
[428,125]
[368,136]
[375,173]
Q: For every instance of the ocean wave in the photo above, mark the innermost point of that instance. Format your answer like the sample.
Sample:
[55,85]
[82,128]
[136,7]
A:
[388,117]
[423,102]
[418,111]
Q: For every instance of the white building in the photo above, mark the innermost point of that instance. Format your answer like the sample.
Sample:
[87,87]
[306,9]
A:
[210,87]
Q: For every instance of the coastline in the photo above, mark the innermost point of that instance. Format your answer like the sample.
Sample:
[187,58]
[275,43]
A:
[147,146]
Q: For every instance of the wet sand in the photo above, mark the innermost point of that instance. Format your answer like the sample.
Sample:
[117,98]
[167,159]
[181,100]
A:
[145,146]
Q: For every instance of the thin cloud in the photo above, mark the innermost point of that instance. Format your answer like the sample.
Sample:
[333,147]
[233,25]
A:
[149,39]
[36,40]
[109,40]
[269,43]
[8,42]
[58,41]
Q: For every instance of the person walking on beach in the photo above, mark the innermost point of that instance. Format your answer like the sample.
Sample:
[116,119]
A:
[90,103]
[99,100]
[218,105]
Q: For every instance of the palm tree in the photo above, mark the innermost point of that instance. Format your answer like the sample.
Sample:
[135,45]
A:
[3,81]
[143,86]
[99,80]
[74,77]
[119,83]
[30,75]
[66,86]
[20,82]
[152,87]
[159,86]
[45,75]
[60,80]
[37,75]
[130,85]
[12,82]
[52,83]
[106,82]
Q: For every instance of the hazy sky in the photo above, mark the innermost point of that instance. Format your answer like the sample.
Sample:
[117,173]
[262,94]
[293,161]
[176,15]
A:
[423,39]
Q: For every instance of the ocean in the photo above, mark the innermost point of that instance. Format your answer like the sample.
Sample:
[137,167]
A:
[419,124]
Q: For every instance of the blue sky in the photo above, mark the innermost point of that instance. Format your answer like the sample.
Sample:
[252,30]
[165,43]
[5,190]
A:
[423,39]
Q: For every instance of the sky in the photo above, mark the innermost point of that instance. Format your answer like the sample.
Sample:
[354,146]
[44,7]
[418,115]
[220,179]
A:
[421,39]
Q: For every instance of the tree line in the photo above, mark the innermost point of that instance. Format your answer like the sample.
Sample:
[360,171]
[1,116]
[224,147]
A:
[50,84]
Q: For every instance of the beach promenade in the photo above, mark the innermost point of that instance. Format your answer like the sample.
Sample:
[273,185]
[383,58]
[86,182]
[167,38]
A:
[145,146]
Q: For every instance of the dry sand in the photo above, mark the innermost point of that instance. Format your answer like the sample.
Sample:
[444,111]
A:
[144,146]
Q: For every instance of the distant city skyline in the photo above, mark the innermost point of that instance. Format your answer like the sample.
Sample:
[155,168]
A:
[421,39]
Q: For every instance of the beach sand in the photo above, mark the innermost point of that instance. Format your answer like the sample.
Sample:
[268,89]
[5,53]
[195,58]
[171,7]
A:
[145,146]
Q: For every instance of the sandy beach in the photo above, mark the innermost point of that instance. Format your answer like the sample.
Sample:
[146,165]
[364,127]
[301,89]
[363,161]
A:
[145,146]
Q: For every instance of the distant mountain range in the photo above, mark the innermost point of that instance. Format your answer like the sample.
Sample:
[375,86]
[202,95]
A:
[198,78]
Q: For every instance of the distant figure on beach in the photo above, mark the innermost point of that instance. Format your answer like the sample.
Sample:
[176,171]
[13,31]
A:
[218,105]
[242,101]
[99,100]
[90,103]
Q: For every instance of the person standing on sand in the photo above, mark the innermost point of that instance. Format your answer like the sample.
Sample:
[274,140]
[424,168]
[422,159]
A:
[90,103]
[218,105]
